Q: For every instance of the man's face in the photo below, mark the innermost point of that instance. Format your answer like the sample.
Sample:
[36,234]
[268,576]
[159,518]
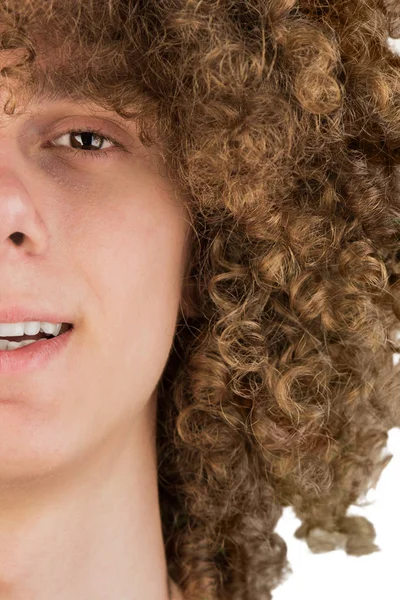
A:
[104,243]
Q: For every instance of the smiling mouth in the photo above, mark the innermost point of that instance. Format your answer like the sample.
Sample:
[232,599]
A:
[39,336]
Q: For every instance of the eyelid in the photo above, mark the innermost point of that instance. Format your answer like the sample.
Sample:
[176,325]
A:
[98,132]
[84,127]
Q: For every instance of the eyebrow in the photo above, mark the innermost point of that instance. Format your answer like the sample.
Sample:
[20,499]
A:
[40,90]
[43,92]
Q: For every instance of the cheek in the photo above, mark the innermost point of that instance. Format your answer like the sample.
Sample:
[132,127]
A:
[128,253]
[135,275]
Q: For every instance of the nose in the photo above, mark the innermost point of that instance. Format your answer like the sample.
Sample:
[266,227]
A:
[19,220]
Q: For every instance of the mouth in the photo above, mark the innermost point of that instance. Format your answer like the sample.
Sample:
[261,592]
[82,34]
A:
[31,354]
[39,336]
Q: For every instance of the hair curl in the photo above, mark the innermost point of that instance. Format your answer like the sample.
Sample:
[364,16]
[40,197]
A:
[279,122]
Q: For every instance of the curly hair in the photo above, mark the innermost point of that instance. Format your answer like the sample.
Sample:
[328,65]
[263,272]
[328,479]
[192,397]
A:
[279,123]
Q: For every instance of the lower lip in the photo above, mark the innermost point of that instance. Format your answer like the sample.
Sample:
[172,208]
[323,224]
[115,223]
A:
[34,356]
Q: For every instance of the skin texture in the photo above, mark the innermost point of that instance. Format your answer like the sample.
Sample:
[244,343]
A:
[79,511]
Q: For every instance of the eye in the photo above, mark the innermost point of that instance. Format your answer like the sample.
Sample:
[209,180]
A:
[85,140]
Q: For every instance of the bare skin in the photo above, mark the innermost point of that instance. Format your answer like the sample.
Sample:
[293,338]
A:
[104,245]
[176,592]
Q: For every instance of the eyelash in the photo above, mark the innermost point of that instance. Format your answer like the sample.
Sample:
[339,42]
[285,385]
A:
[93,154]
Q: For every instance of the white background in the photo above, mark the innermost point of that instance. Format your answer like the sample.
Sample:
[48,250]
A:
[336,575]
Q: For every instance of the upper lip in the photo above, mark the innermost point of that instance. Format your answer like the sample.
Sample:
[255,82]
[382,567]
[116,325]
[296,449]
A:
[20,314]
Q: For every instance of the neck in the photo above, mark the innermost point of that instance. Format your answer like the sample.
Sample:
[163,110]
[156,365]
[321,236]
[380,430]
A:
[89,530]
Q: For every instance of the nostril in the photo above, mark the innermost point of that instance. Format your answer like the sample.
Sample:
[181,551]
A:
[17,238]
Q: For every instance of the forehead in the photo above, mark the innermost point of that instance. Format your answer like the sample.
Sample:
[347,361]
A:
[73,62]
[48,79]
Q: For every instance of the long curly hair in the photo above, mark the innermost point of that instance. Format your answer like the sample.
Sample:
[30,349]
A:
[279,123]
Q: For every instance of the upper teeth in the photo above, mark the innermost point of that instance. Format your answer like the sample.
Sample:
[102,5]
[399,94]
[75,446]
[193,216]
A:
[28,328]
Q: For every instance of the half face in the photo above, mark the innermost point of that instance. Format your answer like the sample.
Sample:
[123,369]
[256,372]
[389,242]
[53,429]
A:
[104,247]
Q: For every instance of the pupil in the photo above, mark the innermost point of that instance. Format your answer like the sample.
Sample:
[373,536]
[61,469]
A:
[86,137]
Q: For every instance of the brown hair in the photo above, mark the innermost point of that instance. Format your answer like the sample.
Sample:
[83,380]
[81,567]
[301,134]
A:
[279,122]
